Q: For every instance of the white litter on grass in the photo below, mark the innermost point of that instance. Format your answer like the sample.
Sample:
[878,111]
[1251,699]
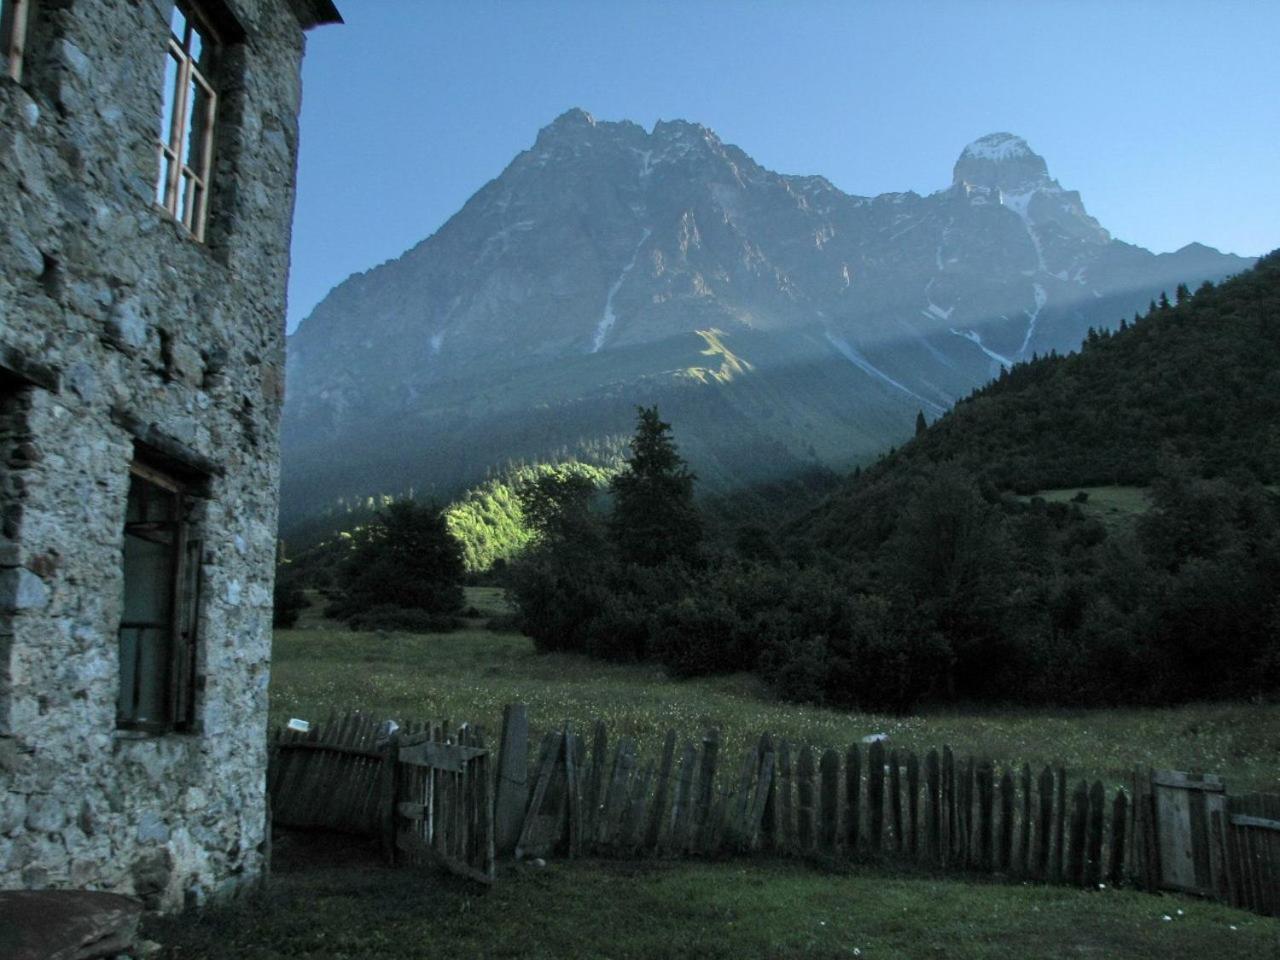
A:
[1166,917]
[297,726]
[875,738]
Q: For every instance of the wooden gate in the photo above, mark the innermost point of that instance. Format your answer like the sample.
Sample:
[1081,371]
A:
[1196,839]
[424,793]
[1180,832]
[444,810]
[1253,852]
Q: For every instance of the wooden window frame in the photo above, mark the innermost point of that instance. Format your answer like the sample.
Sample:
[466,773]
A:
[177,688]
[182,190]
[14,17]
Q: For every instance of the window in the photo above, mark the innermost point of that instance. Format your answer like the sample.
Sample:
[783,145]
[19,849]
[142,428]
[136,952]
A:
[160,604]
[185,146]
[13,34]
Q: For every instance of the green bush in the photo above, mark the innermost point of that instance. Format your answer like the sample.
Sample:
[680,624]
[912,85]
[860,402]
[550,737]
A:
[696,635]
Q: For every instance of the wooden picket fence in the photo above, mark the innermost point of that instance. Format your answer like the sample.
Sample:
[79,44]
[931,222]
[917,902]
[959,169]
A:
[865,802]
[430,793]
[423,789]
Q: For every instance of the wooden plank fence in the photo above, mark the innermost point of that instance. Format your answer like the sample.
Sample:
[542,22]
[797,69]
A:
[423,790]
[587,796]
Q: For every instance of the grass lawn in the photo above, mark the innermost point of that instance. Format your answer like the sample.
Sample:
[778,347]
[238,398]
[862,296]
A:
[732,910]
[1115,507]
[471,674]
[325,904]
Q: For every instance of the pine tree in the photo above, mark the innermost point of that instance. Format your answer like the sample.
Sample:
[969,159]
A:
[921,424]
[407,558]
[654,518]
[1181,293]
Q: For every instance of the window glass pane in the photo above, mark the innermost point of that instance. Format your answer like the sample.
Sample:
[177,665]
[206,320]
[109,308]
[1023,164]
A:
[167,117]
[144,675]
[178,24]
[197,43]
[191,132]
[188,201]
[148,577]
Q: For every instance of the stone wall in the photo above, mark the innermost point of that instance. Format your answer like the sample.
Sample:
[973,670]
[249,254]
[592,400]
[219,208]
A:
[136,332]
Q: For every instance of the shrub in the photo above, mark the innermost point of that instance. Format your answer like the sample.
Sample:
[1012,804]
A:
[890,659]
[404,558]
[697,635]
[288,601]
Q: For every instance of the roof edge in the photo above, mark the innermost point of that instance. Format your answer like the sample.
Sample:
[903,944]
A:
[315,13]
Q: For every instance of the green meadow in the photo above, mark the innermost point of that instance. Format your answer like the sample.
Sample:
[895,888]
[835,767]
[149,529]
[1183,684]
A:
[338,902]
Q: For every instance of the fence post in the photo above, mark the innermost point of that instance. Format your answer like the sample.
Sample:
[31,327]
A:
[875,796]
[852,797]
[1079,817]
[913,805]
[706,790]
[968,838]
[948,818]
[804,796]
[387,792]
[654,830]
[1097,806]
[1006,821]
[1060,835]
[932,807]
[784,783]
[829,809]
[895,800]
[1119,820]
[768,822]
[1024,851]
[1044,826]
[986,815]
[680,808]
[513,778]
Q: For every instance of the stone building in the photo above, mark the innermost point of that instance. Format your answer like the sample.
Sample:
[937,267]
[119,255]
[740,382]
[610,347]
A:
[147,165]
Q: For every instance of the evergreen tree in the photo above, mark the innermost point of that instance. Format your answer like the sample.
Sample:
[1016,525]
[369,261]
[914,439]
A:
[406,558]
[1181,293]
[921,424]
[654,518]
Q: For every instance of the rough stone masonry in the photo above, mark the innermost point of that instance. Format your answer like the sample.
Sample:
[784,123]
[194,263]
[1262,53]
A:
[125,340]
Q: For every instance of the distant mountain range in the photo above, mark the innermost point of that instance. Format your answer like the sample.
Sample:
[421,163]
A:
[778,322]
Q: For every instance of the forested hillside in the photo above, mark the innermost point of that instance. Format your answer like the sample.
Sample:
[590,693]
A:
[927,577]
[1198,377]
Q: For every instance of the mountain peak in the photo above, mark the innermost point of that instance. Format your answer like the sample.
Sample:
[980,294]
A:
[1000,160]
[574,117]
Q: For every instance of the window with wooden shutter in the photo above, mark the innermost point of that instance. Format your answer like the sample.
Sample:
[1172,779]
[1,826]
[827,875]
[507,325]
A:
[160,605]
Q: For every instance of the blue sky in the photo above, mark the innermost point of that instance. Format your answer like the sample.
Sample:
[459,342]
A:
[1163,114]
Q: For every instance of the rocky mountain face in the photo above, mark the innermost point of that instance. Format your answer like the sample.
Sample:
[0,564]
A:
[777,321]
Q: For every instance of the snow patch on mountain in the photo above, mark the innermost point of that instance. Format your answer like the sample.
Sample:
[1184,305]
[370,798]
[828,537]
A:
[973,337]
[1018,203]
[609,318]
[1032,316]
[847,350]
[997,146]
